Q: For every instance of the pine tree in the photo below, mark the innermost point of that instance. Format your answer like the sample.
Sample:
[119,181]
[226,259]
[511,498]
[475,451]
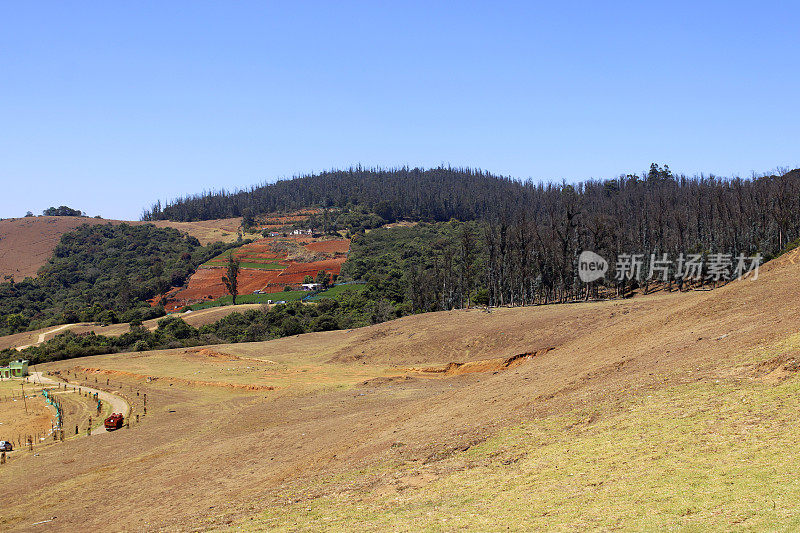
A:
[231,281]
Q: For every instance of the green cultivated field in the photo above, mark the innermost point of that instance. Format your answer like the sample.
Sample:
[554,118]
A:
[338,290]
[289,296]
[251,299]
[246,262]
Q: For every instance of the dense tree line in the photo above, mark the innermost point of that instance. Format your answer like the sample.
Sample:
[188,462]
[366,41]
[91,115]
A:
[351,219]
[350,309]
[103,273]
[435,195]
[529,255]
[426,267]
[441,194]
[531,234]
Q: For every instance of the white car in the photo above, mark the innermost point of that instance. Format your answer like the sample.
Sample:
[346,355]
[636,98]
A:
[5,446]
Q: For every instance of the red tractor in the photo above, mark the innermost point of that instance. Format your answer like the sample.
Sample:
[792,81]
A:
[114,421]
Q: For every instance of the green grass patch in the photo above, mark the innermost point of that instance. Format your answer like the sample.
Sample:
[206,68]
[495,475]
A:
[247,264]
[251,299]
[267,264]
[338,290]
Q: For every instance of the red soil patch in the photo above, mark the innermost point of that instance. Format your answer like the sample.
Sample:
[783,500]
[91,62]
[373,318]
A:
[336,247]
[295,272]
[206,284]
[283,220]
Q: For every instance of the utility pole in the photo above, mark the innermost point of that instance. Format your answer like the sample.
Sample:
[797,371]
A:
[23,398]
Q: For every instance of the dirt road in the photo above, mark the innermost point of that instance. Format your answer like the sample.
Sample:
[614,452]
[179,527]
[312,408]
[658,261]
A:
[20,341]
[42,336]
[118,404]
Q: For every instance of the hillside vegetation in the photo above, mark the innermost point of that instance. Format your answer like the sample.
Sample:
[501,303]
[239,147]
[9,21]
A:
[26,244]
[102,273]
[533,233]
[675,411]
[346,307]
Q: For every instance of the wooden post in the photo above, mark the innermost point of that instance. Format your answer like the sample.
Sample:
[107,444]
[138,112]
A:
[24,400]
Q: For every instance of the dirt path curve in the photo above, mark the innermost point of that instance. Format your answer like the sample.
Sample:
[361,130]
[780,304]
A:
[42,336]
[59,328]
[118,404]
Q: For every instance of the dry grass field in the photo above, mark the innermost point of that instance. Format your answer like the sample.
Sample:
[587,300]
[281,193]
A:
[18,416]
[672,411]
[206,231]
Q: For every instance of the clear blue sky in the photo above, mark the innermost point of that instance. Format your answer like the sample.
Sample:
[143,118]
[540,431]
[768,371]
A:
[108,106]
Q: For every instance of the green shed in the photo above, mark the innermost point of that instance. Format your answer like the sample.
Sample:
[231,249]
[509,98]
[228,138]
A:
[15,369]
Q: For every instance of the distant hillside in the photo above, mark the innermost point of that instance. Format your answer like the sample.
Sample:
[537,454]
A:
[27,243]
[444,193]
[103,272]
[525,246]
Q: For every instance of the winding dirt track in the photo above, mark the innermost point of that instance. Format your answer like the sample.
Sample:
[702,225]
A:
[118,404]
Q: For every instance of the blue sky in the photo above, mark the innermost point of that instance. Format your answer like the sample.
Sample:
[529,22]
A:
[108,106]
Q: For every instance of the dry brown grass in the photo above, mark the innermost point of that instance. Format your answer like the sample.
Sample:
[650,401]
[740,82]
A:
[27,243]
[19,417]
[353,450]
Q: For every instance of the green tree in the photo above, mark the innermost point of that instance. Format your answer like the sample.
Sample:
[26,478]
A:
[481,297]
[323,278]
[231,281]
[62,211]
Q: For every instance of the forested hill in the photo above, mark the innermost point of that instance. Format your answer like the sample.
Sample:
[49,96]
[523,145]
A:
[434,195]
[441,194]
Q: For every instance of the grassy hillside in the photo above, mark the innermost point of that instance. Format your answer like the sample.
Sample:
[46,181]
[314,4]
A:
[671,411]
[702,456]
[102,273]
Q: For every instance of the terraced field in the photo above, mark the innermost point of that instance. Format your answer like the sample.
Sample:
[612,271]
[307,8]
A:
[268,266]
